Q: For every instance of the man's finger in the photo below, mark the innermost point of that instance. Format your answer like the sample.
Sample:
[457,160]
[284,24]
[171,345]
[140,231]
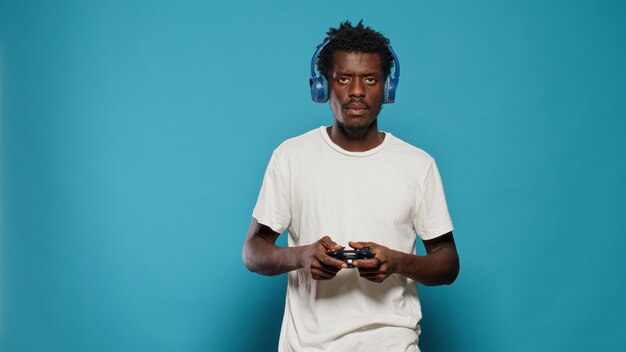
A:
[329,244]
[359,245]
[356,245]
[321,275]
[378,277]
[327,268]
[332,246]
[368,271]
[370,274]
[330,261]
[325,241]
[367,263]
[330,269]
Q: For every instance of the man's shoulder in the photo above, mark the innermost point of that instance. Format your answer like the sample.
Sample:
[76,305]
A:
[405,149]
[304,142]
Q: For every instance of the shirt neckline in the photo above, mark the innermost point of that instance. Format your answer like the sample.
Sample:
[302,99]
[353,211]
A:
[372,151]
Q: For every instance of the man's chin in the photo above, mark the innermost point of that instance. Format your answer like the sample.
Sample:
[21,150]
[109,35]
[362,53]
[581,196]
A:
[355,131]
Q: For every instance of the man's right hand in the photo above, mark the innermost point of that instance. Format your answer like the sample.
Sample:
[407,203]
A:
[318,263]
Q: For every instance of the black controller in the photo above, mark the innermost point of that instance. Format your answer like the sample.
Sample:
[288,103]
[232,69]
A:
[350,255]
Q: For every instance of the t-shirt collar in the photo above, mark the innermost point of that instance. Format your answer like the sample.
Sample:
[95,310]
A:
[372,151]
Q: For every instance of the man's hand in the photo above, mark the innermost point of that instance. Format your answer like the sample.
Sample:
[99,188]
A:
[318,263]
[378,268]
[440,266]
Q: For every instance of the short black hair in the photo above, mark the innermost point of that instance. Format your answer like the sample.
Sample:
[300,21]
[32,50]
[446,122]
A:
[357,38]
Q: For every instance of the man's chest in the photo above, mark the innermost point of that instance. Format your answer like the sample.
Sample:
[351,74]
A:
[354,200]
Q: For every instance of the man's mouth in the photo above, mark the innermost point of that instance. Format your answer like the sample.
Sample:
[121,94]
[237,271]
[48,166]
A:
[356,105]
[356,108]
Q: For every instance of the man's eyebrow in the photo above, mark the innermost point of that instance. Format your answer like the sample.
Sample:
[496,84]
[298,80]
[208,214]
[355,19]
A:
[346,73]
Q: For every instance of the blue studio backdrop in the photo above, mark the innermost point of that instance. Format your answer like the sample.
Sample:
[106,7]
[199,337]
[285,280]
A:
[135,135]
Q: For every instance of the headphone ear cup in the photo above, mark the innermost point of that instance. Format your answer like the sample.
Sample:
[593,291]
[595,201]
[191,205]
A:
[319,89]
[390,90]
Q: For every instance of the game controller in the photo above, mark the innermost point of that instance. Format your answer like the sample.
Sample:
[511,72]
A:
[348,256]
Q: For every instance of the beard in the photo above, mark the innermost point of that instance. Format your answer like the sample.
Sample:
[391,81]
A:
[356,131]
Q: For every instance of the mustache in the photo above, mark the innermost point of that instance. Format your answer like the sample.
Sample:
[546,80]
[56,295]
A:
[356,104]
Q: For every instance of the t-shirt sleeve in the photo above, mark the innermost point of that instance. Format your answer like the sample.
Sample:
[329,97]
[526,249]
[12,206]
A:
[272,206]
[432,218]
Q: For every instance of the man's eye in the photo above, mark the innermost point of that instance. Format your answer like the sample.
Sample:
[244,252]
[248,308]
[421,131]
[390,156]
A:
[370,80]
[342,80]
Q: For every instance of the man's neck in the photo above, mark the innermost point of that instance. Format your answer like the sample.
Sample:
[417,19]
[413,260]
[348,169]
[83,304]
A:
[371,139]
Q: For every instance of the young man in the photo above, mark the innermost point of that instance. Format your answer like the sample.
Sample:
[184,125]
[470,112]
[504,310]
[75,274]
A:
[351,184]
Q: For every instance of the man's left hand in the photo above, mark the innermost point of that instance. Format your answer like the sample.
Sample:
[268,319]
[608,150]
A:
[378,268]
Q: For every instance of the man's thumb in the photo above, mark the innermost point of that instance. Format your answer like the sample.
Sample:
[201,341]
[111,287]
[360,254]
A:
[356,245]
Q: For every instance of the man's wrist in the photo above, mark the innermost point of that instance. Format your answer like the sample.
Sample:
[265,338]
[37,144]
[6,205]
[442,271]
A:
[301,254]
[402,262]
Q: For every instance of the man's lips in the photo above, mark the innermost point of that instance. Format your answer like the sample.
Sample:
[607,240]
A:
[356,112]
[356,106]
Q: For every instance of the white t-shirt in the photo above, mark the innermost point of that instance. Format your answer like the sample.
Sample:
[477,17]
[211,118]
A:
[385,195]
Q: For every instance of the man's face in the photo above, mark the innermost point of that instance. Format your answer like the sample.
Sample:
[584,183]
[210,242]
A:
[356,85]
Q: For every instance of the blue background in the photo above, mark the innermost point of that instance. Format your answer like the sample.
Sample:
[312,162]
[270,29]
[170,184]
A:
[134,138]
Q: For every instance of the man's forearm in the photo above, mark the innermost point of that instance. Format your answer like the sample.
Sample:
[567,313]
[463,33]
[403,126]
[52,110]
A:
[440,267]
[263,257]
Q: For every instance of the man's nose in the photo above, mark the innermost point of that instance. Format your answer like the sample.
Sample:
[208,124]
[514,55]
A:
[357,88]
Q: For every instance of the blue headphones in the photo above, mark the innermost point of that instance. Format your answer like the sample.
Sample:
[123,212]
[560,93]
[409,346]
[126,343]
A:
[319,84]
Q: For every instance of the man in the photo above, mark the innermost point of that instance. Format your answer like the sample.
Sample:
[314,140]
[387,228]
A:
[352,184]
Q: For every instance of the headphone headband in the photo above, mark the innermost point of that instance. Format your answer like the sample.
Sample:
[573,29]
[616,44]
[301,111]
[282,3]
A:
[319,84]
[396,64]
[316,55]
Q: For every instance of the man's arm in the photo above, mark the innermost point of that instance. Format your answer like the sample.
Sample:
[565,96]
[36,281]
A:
[440,266]
[262,255]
